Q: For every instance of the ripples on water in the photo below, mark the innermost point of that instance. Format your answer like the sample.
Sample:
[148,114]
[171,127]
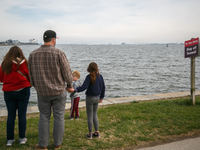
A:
[128,70]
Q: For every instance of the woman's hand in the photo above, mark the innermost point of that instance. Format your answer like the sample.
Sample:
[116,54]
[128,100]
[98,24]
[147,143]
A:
[100,101]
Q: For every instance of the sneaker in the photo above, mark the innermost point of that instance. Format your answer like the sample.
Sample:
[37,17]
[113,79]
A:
[89,136]
[71,118]
[22,140]
[96,135]
[77,118]
[40,148]
[57,147]
[10,142]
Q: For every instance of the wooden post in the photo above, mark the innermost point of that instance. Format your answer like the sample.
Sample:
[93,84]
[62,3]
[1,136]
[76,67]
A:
[193,80]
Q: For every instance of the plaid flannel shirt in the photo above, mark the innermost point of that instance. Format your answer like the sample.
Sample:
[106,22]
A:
[49,69]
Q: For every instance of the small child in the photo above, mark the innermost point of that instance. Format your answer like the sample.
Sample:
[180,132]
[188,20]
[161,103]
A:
[75,97]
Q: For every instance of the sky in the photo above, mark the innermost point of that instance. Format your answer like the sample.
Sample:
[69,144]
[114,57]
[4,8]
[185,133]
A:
[101,21]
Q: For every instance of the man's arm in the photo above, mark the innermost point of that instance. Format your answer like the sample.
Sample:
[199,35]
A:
[66,70]
[30,73]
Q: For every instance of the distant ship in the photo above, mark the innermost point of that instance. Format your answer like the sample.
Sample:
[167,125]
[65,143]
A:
[31,42]
[16,42]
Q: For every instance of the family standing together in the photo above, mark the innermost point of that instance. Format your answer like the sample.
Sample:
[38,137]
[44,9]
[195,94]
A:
[49,72]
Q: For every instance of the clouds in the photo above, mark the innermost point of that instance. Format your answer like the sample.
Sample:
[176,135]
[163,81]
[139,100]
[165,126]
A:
[101,21]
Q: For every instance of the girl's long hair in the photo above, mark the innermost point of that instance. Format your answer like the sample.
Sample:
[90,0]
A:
[16,54]
[93,70]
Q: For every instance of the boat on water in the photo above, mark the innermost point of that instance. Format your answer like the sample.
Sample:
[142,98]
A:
[16,42]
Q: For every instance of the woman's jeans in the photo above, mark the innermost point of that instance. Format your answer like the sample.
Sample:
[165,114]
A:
[16,100]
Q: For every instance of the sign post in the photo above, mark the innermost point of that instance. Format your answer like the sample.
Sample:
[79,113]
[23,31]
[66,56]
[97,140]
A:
[192,50]
[192,90]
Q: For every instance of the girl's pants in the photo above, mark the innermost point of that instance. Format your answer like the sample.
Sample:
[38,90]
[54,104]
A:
[91,107]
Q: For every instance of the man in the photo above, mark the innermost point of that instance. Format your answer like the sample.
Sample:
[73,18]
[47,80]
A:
[49,69]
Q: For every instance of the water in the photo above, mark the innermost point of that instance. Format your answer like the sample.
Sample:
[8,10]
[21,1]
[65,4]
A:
[128,70]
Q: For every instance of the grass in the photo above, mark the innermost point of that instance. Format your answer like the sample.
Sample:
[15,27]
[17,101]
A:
[135,124]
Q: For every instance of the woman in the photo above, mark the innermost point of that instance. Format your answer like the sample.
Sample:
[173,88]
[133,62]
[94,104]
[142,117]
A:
[16,87]
[95,92]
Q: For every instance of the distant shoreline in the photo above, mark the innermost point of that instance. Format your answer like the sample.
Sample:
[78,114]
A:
[19,44]
[16,42]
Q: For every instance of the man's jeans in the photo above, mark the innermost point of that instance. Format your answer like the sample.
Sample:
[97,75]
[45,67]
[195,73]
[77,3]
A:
[46,105]
[16,100]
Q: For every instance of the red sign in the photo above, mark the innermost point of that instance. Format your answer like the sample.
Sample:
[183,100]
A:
[192,48]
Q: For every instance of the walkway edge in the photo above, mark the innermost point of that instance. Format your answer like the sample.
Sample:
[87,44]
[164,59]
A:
[34,109]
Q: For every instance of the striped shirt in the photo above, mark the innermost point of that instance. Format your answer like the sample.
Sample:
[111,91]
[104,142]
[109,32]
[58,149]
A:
[49,70]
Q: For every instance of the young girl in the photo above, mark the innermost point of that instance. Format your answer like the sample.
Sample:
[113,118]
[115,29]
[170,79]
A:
[16,86]
[95,92]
